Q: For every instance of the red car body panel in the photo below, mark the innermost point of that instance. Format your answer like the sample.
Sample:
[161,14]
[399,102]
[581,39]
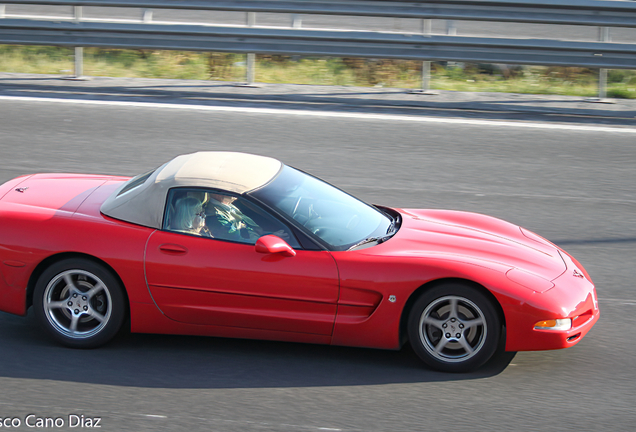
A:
[181,284]
[212,282]
[149,319]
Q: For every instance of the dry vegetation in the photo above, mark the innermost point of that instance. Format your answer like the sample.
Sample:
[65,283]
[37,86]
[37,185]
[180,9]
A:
[320,71]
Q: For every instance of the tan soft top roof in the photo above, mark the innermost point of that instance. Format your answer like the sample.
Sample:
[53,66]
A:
[229,171]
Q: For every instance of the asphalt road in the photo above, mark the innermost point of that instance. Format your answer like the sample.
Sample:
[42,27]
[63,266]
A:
[575,187]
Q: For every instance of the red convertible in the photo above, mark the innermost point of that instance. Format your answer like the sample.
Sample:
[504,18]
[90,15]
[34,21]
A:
[237,245]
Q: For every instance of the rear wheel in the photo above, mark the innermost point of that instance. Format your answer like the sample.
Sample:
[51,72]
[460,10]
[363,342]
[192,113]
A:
[454,328]
[80,303]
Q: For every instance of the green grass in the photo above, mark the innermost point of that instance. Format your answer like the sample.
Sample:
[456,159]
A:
[321,71]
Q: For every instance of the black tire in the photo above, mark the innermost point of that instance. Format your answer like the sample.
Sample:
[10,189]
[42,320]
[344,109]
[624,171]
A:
[457,338]
[79,303]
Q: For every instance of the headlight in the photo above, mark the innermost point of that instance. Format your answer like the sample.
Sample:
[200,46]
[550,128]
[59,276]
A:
[554,324]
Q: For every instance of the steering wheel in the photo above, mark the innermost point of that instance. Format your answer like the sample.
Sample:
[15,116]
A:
[313,214]
[301,215]
[298,215]
[300,198]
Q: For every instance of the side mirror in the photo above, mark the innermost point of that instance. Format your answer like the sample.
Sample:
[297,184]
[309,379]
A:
[273,244]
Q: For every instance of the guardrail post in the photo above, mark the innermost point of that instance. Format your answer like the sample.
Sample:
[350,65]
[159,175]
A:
[297,21]
[79,51]
[146,16]
[603,36]
[251,57]
[426,65]
[451,28]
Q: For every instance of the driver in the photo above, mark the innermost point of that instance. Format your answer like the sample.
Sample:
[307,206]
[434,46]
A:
[232,221]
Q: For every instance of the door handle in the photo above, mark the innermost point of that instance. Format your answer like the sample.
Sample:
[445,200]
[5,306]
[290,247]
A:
[173,249]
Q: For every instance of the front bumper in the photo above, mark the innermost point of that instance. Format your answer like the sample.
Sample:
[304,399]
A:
[573,297]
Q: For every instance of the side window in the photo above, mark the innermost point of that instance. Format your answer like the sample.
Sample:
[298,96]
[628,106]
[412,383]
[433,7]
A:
[221,216]
[185,212]
[236,219]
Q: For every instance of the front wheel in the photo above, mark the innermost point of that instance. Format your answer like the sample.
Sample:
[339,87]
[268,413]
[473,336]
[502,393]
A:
[454,328]
[80,303]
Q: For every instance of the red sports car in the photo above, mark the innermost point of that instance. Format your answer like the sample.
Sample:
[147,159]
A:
[237,245]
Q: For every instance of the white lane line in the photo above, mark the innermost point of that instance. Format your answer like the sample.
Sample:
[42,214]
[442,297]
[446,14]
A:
[105,414]
[328,114]
[628,302]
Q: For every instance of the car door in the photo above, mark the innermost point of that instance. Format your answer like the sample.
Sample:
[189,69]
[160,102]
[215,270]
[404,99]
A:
[212,281]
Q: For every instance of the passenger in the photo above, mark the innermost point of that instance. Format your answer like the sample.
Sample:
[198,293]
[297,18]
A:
[189,217]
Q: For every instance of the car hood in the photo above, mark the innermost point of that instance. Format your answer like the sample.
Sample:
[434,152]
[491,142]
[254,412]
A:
[475,236]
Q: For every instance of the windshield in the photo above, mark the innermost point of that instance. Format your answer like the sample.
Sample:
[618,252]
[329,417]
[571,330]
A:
[324,211]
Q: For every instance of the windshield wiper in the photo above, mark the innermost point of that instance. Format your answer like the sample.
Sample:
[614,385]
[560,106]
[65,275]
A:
[369,240]
[391,227]
[394,221]
[390,231]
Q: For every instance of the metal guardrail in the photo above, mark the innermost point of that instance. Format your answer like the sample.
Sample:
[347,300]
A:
[319,43]
[570,12]
[295,41]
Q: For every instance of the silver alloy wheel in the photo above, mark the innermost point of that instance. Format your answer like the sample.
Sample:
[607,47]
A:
[77,304]
[452,329]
